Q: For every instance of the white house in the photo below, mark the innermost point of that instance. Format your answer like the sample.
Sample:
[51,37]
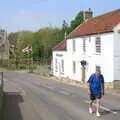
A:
[97,42]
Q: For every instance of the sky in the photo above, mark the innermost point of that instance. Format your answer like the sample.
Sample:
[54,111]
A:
[17,15]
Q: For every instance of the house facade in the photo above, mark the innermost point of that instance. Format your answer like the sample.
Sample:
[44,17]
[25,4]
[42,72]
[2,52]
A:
[92,45]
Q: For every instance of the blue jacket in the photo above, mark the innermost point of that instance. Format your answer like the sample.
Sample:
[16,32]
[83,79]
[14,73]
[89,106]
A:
[95,83]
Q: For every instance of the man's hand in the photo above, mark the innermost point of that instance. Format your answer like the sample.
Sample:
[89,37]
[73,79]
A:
[102,89]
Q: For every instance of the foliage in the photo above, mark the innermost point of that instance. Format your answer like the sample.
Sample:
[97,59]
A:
[77,21]
[43,40]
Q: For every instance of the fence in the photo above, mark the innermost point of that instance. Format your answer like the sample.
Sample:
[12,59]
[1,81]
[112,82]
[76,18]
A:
[24,63]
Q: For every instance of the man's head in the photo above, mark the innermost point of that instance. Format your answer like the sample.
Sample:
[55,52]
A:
[98,72]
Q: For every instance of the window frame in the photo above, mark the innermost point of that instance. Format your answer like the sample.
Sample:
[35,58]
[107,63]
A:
[98,45]
[62,66]
[73,45]
[84,45]
[74,67]
[56,65]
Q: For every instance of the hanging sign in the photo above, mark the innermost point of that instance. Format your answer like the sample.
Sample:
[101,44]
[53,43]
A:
[118,30]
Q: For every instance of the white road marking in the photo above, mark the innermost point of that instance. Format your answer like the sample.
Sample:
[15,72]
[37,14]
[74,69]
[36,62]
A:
[64,92]
[103,107]
[47,86]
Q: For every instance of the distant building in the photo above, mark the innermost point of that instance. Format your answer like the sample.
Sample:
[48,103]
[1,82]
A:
[4,45]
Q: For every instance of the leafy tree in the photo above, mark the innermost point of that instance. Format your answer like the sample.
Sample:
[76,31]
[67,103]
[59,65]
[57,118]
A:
[43,40]
[37,46]
[12,37]
[77,21]
[65,27]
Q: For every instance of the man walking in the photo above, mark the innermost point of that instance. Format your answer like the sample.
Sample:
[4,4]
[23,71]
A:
[95,90]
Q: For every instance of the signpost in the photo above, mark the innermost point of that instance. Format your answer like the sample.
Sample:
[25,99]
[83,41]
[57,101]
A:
[29,51]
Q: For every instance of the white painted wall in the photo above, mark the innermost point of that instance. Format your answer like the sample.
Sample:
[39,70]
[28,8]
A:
[105,59]
[116,53]
[59,55]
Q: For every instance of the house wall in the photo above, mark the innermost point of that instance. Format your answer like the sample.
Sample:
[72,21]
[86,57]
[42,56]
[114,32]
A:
[74,56]
[59,55]
[116,53]
[105,59]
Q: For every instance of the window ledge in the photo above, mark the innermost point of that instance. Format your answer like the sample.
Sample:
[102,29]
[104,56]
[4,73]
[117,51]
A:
[62,73]
[97,54]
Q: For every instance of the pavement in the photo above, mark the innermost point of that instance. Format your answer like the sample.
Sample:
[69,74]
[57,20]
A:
[108,88]
[29,97]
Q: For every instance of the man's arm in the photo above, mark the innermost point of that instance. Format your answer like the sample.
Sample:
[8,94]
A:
[102,85]
[88,83]
[102,88]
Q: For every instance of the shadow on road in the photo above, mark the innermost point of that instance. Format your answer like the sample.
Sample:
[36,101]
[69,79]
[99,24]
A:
[108,112]
[11,110]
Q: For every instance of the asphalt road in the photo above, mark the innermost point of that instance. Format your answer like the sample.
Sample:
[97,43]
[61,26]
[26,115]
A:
[38,99]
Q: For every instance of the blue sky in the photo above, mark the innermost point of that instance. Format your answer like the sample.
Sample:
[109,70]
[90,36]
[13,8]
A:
[33,14]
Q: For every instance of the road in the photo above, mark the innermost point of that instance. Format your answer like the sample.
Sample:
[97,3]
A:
[38,99]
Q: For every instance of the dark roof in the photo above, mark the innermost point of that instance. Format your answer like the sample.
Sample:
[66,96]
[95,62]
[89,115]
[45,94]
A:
[96,25]
[61,46]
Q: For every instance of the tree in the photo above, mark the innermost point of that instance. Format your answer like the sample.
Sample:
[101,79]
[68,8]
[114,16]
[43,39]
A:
[49,37]
[65,27]
[20,40]
[37,46]
[43,40]
[77,21]
[12,37]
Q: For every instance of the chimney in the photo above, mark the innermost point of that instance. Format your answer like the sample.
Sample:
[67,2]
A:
[87,14]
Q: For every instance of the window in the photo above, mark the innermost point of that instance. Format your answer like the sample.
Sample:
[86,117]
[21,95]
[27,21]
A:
[89,39]
[74,67]
[56,65]
[62,65]
[84,45]
[74,46]
[98,45]
[98,68]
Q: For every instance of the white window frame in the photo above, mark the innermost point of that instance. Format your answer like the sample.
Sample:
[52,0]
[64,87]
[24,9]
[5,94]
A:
[98,45]
[74,45]
[74,67]
[56,65]
[84,45]
[62,65]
